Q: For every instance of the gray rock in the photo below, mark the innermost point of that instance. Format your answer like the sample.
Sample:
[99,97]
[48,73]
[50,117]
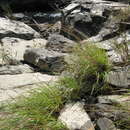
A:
[105,124]
[12,28]
[12,86]
[46,60]
[93,18]
[110,112]
[48,29]
[59,43]
[103,100]
[119,77]
[12,70]
[123,100]
[115,57]
[75,117]
[12,49]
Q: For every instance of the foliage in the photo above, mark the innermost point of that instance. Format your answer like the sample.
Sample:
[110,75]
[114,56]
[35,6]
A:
[38,111]
[89,64]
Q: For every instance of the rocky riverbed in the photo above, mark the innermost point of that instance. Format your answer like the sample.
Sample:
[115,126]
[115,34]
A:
[34,45]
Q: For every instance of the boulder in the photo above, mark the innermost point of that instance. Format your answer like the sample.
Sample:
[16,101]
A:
[105,124]
[119,77]
[12,28]
[12,49]
[59,43]
[75,117]
[46,60]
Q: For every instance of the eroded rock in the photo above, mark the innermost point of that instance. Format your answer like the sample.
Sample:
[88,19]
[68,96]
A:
[75,117]
[119,77]
[105,124]
[60,43]
[46,60]
[12,28]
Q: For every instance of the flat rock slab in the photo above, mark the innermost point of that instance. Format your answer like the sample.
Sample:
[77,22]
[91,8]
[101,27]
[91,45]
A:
[123,100]
[119,77]
[12,86]
[13,69]
[12,28]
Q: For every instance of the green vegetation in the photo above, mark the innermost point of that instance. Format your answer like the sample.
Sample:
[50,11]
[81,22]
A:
[37,112]
[88,66]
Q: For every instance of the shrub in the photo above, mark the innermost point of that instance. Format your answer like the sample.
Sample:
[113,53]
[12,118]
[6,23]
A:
[89,64]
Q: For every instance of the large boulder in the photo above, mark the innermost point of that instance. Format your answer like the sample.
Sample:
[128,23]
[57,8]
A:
[45,60]
[75,117]
[12,28]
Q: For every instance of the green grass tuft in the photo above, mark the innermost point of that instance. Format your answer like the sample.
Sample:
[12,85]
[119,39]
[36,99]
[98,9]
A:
[39,111]
[89,65]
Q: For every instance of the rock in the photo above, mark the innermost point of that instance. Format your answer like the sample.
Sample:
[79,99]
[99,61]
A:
[123,100]
[105,124]
[12,28]
[119,77]
[48,29]
[103,100]
[12,86]
[75,117]
[115,57]
[111,112]
[92,18]
[59,43]
[46,60]
[13,70]
[12,49]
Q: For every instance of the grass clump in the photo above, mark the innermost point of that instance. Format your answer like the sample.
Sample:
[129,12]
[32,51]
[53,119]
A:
[39,111]
[88,65]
